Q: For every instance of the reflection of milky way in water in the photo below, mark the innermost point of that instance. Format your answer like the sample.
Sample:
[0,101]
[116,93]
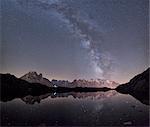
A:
[100,108]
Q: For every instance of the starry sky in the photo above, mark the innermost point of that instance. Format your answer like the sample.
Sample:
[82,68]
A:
[72,39]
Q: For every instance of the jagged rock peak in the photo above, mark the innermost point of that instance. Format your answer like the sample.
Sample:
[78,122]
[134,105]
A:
[31,75]
[34,77]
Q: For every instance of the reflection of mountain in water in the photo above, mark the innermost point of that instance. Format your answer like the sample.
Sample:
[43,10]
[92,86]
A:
[84,95]
[29,99]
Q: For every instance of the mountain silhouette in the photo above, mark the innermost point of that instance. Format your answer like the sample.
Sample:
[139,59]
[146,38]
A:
[138,87]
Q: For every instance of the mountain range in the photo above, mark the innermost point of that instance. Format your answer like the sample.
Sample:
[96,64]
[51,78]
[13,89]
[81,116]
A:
[33,77]
[35,85]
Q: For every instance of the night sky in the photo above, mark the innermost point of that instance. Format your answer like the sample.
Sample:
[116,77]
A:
[69,39]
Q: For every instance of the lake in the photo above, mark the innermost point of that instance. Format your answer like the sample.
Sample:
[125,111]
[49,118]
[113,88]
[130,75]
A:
[75,109]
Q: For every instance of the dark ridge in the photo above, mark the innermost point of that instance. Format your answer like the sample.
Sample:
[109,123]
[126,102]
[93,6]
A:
[12,87]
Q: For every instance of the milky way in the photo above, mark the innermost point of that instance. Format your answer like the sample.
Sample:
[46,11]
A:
[84,28]
[69,39]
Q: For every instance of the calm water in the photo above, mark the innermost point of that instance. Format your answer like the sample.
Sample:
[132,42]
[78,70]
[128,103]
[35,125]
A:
[98,108]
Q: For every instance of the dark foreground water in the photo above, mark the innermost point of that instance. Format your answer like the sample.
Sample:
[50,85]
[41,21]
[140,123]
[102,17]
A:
[76,109]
